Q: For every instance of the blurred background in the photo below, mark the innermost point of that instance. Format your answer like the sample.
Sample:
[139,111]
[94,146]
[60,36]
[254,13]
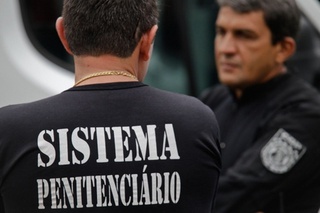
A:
[35,65]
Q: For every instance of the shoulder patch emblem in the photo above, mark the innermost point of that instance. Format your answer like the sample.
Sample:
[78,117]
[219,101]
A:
[282,152]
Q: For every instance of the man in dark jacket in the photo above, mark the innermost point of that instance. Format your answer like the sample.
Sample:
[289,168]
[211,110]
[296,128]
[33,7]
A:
[269,118]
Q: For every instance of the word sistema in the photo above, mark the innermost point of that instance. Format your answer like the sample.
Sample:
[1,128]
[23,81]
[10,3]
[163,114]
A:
[128,144]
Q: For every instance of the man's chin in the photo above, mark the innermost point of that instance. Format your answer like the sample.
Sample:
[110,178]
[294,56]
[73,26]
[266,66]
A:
[229,82]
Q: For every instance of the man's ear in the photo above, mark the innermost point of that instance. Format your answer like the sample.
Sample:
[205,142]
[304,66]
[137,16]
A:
[62,35]
[147,41]
[286,49]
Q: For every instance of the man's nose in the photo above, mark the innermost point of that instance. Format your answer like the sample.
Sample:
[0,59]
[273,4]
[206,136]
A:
[226,44]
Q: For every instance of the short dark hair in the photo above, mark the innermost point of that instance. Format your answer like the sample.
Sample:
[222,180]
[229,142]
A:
[281,16]
[98,27]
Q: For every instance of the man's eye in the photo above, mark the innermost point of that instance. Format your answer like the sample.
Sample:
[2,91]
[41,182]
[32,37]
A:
[220,31]
[245,35]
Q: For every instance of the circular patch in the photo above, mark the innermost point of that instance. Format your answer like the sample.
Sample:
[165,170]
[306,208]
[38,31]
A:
[282,152]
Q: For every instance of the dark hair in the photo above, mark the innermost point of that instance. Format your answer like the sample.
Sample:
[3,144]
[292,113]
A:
[97,27]
[281,16]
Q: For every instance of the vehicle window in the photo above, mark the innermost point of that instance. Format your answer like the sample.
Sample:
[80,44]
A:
[39,19]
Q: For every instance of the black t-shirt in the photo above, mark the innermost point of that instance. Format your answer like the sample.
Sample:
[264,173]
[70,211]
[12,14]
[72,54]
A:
[270,142]
[119,147]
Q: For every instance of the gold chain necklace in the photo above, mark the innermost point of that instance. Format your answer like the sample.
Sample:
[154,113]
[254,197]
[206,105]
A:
[105,73]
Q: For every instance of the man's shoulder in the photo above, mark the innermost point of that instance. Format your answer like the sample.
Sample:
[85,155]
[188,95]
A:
[179,99]
[215,94]
[26,109]
[297,92]
[182,104]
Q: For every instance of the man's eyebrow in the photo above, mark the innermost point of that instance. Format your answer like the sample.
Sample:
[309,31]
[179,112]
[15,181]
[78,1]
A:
[247,32]
[244,30]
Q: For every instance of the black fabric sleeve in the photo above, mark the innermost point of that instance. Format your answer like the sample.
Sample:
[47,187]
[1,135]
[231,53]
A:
[255,181]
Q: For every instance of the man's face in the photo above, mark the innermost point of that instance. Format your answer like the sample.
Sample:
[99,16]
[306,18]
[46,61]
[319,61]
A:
[243,49]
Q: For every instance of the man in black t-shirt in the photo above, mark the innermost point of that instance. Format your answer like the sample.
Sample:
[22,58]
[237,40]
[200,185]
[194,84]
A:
[110,143]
